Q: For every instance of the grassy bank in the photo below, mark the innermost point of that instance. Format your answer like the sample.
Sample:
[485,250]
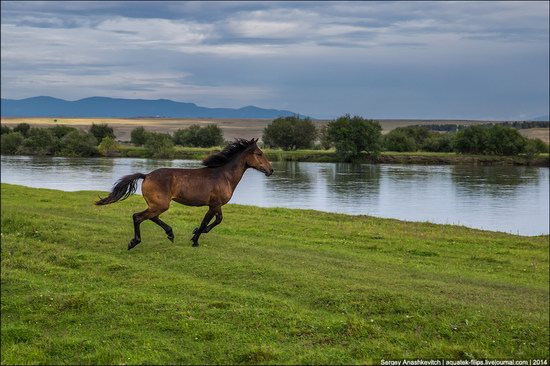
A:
[428,158]
[344,290]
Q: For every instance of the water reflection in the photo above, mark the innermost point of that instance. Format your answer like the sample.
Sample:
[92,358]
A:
[505,198]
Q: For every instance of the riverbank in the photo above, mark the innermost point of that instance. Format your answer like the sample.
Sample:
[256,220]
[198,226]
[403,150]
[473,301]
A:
[346,290]
[329,156]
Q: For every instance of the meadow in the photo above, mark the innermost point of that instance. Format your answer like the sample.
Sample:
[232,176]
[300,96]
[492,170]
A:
[267,286]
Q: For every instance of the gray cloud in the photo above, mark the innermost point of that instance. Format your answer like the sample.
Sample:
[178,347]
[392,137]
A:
[377,59]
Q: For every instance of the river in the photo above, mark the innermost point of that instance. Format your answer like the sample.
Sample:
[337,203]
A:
[513,199]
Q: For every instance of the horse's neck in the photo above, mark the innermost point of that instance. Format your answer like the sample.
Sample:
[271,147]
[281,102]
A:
[234,170]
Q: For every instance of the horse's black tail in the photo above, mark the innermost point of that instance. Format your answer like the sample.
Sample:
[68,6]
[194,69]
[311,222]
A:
[125,186]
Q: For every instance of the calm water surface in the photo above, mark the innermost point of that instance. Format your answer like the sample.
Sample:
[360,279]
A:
[510,199]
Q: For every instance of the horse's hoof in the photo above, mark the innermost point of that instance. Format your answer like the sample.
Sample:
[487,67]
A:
[195,243]
[171,237]
[132,243]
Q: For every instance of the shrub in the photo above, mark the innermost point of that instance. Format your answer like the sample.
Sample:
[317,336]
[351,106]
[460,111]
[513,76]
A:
[159,145]
[399,140]
[138,136]
[61,130]
[108,147]
[41,141]
[11,142]
[197,136]
[490,140]
[22,128]
[4,129]
[439,142]
[79,143]
[351,136]
[505,141]
[101,130]
[472,140]
[290,133]
[324,138]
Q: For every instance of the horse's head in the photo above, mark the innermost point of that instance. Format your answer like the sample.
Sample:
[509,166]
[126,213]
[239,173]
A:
[256,159]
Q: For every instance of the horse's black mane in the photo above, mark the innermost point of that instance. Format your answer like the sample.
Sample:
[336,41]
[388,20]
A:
[223,157]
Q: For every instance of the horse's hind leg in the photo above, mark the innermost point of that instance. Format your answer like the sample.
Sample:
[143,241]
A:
[139,217]
[165,226]
[219,218]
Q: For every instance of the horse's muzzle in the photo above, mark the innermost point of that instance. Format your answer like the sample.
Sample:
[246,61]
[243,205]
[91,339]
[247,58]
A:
[268,172]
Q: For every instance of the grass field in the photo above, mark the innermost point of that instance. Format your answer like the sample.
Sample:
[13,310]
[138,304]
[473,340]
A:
[267,286]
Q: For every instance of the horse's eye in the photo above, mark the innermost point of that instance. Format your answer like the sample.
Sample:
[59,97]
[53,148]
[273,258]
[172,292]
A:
[259,153]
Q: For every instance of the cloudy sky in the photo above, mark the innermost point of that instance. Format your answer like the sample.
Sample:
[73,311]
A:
[471,60]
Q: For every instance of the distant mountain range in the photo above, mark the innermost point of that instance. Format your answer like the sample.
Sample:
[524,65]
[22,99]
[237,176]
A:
[541,118]
[126,108]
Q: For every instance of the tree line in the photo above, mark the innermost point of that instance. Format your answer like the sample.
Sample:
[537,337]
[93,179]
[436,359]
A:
[520,125]
[351,136]
[100,139]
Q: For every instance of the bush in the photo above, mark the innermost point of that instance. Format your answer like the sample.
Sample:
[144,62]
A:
[138,136]
[23,129]
[472,140]
[505,141]
[61,130]
[290,133]
[351,136]
[490,140]
[4,129]
[399,140]
[79,143]
[101,130]
[11,142]
[41,141]
[439,142]
[108,147]
[159,145]
[197,136]
[324,138]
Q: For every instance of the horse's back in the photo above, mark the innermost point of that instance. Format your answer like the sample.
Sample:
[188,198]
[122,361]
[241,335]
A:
[191,187]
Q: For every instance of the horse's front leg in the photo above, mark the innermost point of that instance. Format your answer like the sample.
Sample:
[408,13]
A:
[198,231]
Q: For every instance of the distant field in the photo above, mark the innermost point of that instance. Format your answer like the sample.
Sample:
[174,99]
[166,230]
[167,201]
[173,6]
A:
[537,133]
[245,128]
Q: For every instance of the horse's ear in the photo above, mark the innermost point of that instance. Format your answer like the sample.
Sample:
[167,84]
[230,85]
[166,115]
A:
[253,141]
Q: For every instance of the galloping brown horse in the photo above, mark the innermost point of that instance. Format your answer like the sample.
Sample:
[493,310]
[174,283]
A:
[211,186]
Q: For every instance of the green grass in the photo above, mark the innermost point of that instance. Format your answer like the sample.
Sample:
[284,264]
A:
[418,157]
[268,286]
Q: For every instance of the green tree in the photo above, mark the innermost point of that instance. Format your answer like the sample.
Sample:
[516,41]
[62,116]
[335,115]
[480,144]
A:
[399,140]
[197,136]
[4,129]
[101,130]
[138,136]
[352,135]
[22,128]
[159,145]
[41,141]
[11,142]
[79,143]
[290,133]
[108,147]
